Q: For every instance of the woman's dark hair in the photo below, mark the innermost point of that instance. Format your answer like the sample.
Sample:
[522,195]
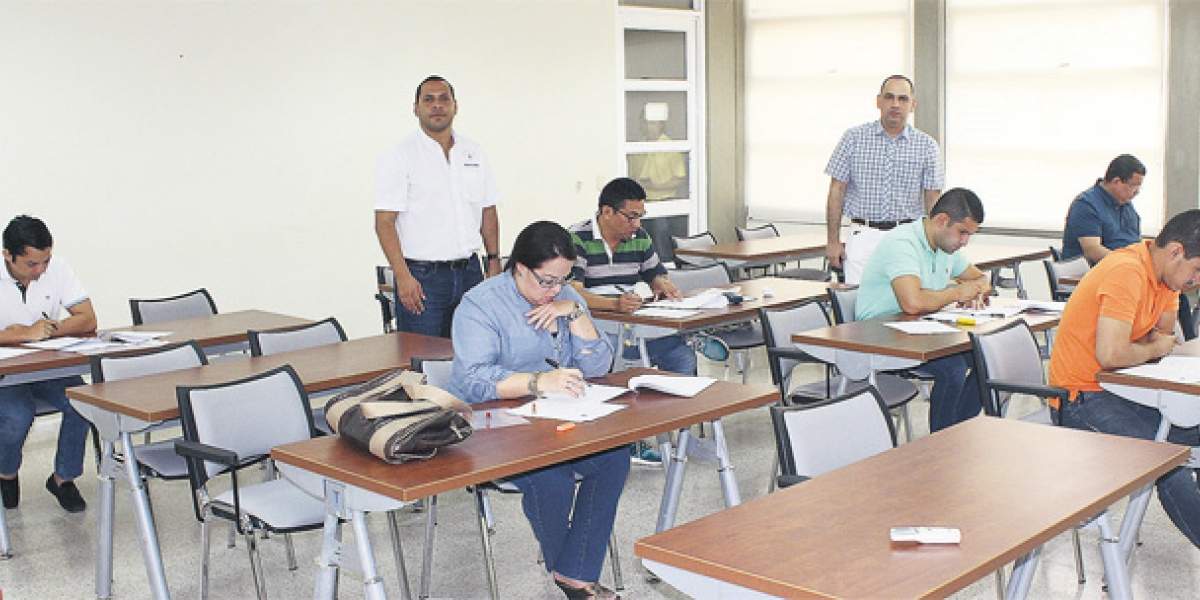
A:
[540,242]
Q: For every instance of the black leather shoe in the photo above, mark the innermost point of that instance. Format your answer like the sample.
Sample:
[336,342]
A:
[68,495]
[11,490]
[587,592]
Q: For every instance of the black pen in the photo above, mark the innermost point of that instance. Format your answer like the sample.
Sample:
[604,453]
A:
[553,363]
[52,323]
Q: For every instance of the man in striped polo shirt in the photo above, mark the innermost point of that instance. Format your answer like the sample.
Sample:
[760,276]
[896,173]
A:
[613,249]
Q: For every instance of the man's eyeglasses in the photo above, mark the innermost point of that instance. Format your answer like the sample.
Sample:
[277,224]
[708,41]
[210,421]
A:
[631,216]
[551,282]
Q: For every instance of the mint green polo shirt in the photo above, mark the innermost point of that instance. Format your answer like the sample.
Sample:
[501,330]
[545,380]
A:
[904,251]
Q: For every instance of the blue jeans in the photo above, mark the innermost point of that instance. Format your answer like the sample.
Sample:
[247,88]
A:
[955,394]
[574,521]
[444,288]
[16,416]
[1106,412]
[670,353]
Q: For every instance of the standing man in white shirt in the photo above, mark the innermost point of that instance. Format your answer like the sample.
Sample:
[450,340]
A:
[435,208]
[882,174]
[34,290]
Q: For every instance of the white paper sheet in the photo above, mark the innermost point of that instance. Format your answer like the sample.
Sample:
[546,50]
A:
[1182,369]
[666,313]
[922,327]
[10,352]
[565,410]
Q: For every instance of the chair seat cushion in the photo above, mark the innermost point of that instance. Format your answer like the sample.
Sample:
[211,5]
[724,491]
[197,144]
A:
[895,390]
[277,504]
[161,460]
[742,338]
[805,273]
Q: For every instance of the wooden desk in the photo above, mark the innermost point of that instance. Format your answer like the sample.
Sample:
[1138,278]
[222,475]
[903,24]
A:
[121,408]
[215,333]
[991,478]
[761,252]
[496,453]
[989,257]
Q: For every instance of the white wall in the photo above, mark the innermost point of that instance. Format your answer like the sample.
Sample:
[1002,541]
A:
[174,144]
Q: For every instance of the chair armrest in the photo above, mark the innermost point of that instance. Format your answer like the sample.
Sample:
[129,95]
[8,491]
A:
[189,449]
[784,481]
[1033,389]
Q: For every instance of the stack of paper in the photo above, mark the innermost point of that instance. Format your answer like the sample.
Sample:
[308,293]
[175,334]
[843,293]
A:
[1181,369]
[565,407]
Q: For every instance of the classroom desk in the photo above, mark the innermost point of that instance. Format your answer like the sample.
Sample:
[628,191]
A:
[121,408]
[218,333]
[988,257]
[761,252]
[860,348]
[496,453]
[1010,487]
[1179,404]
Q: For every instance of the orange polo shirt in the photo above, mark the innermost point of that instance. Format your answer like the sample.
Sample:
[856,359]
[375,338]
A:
[1123,287]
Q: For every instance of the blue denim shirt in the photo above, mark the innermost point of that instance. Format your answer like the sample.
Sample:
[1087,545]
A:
[1096,213]
[493,340]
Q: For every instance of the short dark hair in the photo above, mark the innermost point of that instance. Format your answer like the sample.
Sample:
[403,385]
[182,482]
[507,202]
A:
[539,242]
[417,95]
[24,232]
[1124,167]
[620,190]
[911,88]
[1185,229]
[959,203]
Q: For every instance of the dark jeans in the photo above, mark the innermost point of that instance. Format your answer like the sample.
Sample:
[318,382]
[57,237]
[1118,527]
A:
[16,416]
[444,288]
[670,353]
[955,394]
[574,520]
[1106,412]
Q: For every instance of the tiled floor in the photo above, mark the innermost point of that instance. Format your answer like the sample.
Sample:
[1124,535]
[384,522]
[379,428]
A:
[54,550]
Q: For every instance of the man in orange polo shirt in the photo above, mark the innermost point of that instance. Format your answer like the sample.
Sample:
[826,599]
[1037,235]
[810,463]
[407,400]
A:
[1123,314]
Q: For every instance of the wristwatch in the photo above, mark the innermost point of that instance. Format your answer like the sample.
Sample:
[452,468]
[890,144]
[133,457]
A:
[575,314]
[492,257]
[533,384]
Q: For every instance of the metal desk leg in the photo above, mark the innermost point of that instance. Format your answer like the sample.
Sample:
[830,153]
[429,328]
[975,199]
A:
[107,489]
[675,473]
[331,541]
[1022,575]
[1116,573]
[665,450]
[5,542]
[493,586]
[1138,503]
[725,466]
[145,521]
[427,555]
[372,583]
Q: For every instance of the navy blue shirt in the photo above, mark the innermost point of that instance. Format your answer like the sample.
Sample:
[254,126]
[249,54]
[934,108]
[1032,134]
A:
[1096,213]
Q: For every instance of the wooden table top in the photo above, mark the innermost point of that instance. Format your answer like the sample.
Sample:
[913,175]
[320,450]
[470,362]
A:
[760,249]
[990,256]
[1009,486]
[787,291]
[495,453]
[215,330]
[872,337]
[1188,348]
[152,398]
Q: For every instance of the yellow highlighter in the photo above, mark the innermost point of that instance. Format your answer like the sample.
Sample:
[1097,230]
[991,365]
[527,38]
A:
[965,321]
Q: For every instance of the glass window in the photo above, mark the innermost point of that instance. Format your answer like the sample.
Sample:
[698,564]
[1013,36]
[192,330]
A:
[663,174]
[655,54]
[681,4]
[650,116]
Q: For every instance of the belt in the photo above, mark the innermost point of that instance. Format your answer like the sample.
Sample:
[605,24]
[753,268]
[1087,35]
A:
[460,263]
[880,225]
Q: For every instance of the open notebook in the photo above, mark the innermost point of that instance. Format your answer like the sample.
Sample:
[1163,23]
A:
[595,401]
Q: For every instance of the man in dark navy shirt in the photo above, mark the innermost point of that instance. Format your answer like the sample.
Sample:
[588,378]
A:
[1102,218]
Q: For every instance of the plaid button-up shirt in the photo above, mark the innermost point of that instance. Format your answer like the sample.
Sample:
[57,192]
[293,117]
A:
[886,176]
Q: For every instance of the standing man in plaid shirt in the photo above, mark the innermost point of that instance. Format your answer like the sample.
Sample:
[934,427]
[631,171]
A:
[882,174]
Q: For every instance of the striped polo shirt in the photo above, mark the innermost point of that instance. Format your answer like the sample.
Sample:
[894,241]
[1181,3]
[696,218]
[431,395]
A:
[633,260]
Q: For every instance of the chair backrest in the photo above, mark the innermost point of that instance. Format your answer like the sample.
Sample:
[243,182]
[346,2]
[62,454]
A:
[1009,353]
[813,439]
[778,324]
[387,300]
[184,306]
[1055,270]
[437,370]
[701,278]
[326,331]
[235,416]
[1056,253]
[112,367]
[384,275]
[843,300]
[700,240]
[756,233]
[1186,321]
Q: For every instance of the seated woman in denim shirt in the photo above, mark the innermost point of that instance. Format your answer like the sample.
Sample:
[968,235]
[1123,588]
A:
[504,331]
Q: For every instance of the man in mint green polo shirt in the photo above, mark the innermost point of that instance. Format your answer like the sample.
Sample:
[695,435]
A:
[918,269]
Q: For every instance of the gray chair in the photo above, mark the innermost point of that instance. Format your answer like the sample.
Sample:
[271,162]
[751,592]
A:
[387,300]
[157,459]
[739,338]
[699,240]
[814,438]
[437,373]
[842,300]
[223,434]
[1056,270]
[1008,361]
[325,331]
[198,303]
[782,270]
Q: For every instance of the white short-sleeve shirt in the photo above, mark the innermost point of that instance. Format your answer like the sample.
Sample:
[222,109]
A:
[56,290]
[440,203]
